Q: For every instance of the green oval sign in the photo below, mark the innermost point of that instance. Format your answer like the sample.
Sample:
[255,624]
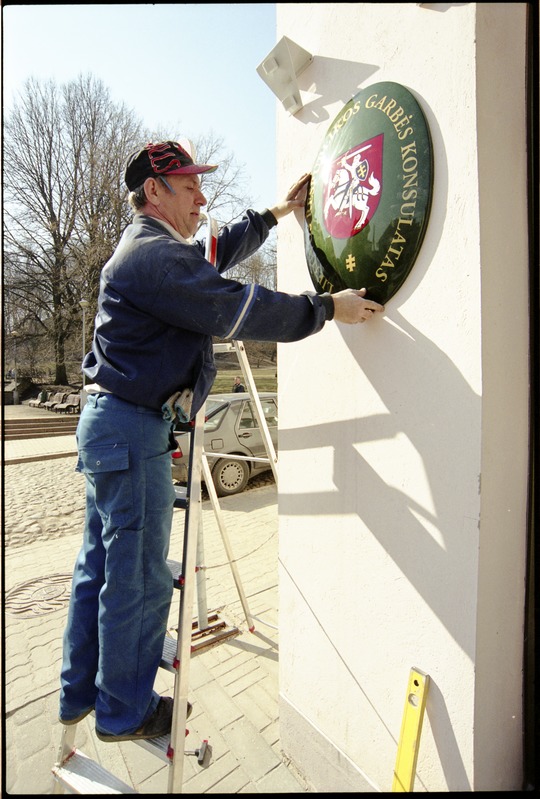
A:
[370,194]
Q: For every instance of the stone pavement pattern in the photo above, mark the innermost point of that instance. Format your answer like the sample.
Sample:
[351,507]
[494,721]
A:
[233,685]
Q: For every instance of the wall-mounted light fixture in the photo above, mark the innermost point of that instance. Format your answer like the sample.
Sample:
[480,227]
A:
[280,69]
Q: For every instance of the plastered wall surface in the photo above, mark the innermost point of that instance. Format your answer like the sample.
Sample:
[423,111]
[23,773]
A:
[388,430]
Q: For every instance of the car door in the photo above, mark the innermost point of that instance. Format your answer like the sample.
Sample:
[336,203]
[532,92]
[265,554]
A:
[248,431]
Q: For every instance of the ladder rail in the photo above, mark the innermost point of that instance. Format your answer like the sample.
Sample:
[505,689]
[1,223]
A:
[219,455]
[183,650]
[193,536]
[239,348]
[211,255]
[225,538]
[66,748]
[257,406]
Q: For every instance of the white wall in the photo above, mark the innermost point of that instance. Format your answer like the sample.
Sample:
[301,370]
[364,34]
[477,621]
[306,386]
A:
[402,447]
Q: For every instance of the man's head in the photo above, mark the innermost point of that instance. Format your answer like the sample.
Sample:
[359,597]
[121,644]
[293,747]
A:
[164,182]
[165,158]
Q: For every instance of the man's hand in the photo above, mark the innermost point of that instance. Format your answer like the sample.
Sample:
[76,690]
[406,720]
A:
[296,198]
[351,307]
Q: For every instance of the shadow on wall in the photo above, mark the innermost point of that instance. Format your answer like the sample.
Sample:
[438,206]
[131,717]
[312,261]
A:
[439,434]
[332,80]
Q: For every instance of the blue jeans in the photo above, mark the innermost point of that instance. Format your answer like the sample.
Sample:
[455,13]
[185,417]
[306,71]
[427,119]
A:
[122,587]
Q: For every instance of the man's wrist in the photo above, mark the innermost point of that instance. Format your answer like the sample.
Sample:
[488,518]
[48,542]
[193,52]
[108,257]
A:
[329,306]
[326,300]
[269,218]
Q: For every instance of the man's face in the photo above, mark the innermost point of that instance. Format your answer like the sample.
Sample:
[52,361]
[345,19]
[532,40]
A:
[182,209]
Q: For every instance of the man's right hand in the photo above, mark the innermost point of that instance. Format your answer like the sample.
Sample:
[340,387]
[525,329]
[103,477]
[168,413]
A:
[351,307]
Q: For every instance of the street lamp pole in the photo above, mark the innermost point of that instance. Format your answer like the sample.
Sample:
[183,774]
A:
[84,305]
[15,336]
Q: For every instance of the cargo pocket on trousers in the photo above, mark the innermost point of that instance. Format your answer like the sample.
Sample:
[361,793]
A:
[107,467]
[103,458]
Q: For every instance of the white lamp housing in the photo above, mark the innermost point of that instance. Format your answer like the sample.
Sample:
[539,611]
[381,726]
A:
[280,69]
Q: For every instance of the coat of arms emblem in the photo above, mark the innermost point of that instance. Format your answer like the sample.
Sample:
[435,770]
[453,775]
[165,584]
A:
[370,194]
[353,190]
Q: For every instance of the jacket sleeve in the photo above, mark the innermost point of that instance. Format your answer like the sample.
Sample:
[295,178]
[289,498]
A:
[265,315]
[195,296]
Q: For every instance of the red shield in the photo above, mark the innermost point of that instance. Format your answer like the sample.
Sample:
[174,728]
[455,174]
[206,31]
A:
[354,188]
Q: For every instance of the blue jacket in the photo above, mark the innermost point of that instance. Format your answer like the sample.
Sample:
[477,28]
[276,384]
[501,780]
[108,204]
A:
[160,302]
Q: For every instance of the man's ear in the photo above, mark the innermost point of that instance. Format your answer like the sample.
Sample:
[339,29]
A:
[151,186]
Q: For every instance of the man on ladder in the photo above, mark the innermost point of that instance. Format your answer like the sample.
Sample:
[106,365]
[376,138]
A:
[160,303]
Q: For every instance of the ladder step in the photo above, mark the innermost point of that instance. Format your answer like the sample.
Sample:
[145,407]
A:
[216,632]
[168,655]
[157,746]
[180,499]
[175,568]
[226,347]
[80,774]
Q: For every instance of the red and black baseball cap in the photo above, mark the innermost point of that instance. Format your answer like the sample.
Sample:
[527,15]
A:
[165,158]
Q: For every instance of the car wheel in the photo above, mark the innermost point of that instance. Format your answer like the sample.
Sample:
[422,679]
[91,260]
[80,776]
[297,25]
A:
[230,476]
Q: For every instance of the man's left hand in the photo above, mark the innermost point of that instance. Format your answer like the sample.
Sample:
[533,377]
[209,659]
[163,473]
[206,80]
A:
[296,198]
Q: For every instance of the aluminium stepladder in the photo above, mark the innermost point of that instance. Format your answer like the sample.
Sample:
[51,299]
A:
[73,770]
[238,348]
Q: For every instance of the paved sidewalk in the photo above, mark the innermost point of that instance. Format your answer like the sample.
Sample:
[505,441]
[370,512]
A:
[233,685]
[33,449]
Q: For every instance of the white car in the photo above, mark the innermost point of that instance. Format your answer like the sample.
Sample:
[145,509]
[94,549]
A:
[231,428]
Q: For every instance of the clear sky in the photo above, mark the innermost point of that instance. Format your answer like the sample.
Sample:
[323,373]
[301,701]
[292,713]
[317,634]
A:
[186,68]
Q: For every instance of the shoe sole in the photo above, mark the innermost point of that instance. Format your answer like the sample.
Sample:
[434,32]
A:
[80,717]
[133,736]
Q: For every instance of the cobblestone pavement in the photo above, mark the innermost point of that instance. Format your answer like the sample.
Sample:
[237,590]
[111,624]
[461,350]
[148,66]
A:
[233,685]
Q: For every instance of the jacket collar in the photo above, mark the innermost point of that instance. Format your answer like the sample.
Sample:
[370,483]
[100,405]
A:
[169,228]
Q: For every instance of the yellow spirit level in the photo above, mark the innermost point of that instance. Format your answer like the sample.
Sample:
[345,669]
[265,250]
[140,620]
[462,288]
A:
[411,729]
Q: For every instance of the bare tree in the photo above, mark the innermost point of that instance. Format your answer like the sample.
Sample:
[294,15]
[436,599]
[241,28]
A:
[65,149]
[225,188]
[103,136]
[61,201]
[39,212]
[257,268]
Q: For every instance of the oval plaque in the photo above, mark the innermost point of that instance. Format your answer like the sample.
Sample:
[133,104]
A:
[370,194]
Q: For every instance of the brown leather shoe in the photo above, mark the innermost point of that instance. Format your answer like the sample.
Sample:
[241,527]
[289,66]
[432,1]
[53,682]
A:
[157,725]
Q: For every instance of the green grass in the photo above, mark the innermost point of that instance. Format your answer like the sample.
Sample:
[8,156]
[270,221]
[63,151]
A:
[265,379]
